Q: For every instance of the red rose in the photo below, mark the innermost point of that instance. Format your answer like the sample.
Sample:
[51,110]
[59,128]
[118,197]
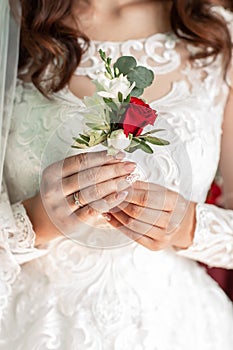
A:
[214,194]
[137,116]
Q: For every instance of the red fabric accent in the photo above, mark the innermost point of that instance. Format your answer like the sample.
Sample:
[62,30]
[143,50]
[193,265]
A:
[224,278]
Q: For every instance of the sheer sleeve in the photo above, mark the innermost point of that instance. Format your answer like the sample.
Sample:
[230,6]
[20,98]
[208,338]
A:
[213,238]
[17,240]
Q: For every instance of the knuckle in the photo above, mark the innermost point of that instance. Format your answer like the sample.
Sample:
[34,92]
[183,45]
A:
[99,193]
[155,246]
[135,210]
[81,160]
[129,221]
[118,170]
[164,220]
[143,197]
[90,211]
[91,175]
[172,200]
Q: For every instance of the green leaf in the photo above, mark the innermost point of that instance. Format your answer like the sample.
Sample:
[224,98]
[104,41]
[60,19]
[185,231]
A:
[83,147]
[136,92]
[132,149]
[152,132]
[142,77]
[96,126]
[125,64]
[143,146]
[109,102]
[127,99]
[146,148]
[102,55]
[97,140]
[80,141]
[156,141]
[120,97]
[85,137]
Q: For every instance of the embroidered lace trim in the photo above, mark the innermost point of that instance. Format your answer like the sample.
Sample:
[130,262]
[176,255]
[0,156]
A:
[25,237]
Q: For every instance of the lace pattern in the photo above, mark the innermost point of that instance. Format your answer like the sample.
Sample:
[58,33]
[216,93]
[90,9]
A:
[157,52]
[25,237]
[213,239]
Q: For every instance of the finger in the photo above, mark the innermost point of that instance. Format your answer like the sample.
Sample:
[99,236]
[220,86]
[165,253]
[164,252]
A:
[80,162]
[96,175]
[143,240]
[139,227]
[101,190]
[88,160]
[109,202]
[142,185]
[105,204]
[162,200]
[147,215]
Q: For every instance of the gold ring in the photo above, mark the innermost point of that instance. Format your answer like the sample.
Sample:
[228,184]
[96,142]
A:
[76,200]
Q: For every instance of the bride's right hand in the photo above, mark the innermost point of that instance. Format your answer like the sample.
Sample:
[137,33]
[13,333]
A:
[99,181]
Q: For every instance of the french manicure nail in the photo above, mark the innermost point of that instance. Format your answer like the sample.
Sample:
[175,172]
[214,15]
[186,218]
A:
[119,155]
[122,195]
[106,216]
[130,166]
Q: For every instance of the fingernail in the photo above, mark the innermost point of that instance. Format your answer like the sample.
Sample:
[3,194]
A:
[129,166]
[119,155]
[132,178]
[122,195]
[107,216]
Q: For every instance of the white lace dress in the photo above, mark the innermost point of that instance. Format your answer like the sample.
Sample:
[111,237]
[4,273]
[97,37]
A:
[71,296]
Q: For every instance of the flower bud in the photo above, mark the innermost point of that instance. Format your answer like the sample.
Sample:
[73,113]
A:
[118,140]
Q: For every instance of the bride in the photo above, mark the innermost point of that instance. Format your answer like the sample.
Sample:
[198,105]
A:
[93,257]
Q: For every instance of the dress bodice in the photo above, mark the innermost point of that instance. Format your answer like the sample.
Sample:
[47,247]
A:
[191,113]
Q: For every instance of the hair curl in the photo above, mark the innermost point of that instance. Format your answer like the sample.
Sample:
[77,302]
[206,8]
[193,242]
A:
[46,40]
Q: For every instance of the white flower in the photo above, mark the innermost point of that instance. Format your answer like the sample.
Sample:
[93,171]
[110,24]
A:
[111,87]
[118,140]
[96,111]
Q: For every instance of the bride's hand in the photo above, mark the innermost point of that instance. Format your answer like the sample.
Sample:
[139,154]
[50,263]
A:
[155,217]
[99,182]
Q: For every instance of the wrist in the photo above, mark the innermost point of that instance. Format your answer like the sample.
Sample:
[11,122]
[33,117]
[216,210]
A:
[42,226]
[188,229]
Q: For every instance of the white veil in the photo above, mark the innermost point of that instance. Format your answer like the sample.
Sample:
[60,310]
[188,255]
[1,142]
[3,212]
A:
[9,52]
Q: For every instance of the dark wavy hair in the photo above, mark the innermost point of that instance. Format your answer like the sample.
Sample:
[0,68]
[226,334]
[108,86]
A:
[47,39]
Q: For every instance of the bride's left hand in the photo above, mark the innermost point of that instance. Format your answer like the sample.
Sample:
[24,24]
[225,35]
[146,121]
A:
[155,217]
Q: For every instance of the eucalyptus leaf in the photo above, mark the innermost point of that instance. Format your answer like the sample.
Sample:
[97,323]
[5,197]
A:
[142,77]
[125,64]
[136,92]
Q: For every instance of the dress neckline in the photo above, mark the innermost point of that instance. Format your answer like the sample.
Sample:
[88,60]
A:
[165,35]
